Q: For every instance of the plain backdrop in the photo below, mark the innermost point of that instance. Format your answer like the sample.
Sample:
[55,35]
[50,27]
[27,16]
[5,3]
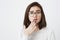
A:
[12,15]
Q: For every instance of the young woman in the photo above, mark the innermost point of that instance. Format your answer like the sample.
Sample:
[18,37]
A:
[35,24]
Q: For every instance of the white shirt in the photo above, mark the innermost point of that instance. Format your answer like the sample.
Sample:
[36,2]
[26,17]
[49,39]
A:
[43,34]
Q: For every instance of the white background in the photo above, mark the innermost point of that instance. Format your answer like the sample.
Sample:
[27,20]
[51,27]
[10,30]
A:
[12,15]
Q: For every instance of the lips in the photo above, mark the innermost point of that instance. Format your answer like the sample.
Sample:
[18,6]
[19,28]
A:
[35,19]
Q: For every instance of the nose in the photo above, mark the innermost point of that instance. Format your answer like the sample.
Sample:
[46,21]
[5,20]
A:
[35,16]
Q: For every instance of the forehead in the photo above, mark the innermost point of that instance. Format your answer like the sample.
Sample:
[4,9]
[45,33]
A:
[35,8]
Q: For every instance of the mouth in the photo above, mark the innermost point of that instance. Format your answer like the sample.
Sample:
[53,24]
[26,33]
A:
[35,20]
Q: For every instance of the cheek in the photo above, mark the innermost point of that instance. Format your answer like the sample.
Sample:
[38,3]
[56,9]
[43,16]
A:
[30,18]
[39,18]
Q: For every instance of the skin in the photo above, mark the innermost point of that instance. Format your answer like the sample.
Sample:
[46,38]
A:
[34,17]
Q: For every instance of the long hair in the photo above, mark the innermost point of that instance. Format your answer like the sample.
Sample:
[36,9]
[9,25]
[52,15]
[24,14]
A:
[27,22]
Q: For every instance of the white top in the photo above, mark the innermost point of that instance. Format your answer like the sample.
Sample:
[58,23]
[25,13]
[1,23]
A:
[43,34]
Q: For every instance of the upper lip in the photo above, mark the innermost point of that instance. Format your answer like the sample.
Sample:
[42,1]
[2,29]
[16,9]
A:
[35,19]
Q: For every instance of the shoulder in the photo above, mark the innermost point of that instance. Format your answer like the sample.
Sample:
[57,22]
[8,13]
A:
[47,30]
[50,33]
[21,28]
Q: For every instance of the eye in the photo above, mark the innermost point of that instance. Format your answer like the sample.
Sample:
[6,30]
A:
[38,12]
[31,12]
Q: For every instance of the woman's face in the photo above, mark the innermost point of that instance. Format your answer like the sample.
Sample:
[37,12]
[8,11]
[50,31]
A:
[35,14]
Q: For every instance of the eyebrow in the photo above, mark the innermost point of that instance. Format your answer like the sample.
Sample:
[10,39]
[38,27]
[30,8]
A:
[36,10]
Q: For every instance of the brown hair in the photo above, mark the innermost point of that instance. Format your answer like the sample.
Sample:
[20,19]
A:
[27,22]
